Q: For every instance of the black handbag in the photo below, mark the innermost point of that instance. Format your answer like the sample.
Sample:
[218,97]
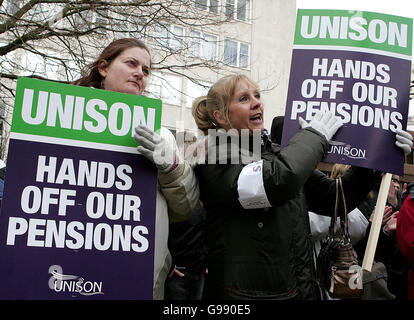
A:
[337,266]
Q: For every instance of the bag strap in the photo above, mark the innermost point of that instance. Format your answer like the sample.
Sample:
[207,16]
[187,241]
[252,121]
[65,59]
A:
[339,192]
[332,227]
[344,216]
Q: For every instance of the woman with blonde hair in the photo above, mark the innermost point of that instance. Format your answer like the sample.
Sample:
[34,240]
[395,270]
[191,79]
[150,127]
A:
[257,212]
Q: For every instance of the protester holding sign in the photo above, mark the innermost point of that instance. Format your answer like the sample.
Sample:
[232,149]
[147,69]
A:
[257,211]
[124,66]
[387,251]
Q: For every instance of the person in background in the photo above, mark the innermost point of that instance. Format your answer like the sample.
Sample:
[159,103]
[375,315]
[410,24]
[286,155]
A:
[393,199]
[125,66]
[387,251]
[389,263]
[405,237]
[259,245]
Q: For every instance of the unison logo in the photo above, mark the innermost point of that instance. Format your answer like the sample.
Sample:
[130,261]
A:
[347,150]
[60,282]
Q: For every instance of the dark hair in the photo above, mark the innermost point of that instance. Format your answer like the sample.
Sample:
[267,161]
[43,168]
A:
[90,76]
[277,129]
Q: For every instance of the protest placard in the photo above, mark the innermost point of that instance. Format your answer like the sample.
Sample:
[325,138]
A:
[356,64]
[78,215]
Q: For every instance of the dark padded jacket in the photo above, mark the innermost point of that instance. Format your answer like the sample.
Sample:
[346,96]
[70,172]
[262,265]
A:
[187,243]
[266,253]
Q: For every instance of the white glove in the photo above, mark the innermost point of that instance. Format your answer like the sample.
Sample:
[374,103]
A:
[325,123]
[154,148]
[404,140]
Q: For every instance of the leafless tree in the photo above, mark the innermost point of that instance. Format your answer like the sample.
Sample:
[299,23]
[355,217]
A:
[54,39]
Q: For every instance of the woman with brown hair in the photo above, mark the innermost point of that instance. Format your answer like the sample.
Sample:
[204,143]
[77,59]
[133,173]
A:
[124,66]
[126,53]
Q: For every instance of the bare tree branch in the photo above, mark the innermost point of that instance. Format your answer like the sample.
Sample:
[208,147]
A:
[54,39]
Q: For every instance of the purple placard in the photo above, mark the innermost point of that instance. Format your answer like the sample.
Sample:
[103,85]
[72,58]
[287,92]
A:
[330,78]
[77,253]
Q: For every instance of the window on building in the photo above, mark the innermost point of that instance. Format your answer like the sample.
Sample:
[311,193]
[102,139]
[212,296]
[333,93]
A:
[236,53]
[195,43]
[73,69]
[238,9]
[33,64]
[213,6]
[125,25]
[202,4]
[153,89]
[38,11]
[169,36]
[42,65]
[121,28]
[203,45]
[101,17]
[243,55]
[138,27]
[92,19]
[208,5]
[230,52]
[195,90]
[161,34]
[165,87]
[171,89]
[176,38]
[13,6]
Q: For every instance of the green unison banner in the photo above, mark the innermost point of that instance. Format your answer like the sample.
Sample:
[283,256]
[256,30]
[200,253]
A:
[51,109]
[348,28]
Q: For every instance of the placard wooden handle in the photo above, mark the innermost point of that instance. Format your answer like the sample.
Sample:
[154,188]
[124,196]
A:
[376,223]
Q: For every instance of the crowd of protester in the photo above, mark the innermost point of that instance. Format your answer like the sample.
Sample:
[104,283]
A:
[244,225]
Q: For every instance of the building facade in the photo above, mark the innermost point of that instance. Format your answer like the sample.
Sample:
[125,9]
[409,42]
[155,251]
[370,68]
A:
[254,37]
[257,41]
